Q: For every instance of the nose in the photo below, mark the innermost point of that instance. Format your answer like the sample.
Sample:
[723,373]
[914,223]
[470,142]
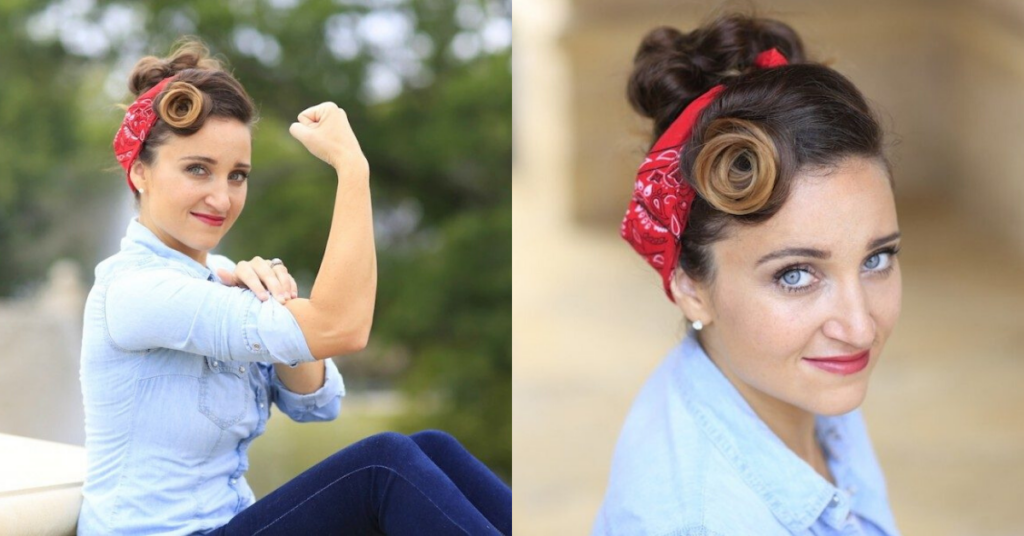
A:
[219,197]
[851,321]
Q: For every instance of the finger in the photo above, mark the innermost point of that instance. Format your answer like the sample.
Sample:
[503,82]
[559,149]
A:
[288,287]
[269,278]
[294,286]
[227,277]
[311,115]
[246,273]
[314,114]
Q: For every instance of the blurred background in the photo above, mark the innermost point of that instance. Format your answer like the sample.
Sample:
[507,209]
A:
[427,87]
[591,320]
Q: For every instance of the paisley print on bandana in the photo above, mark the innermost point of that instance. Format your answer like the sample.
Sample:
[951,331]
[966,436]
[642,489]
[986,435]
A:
[138,121]
[657,213]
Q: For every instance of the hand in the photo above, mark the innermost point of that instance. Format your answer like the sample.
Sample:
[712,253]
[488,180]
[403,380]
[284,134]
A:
[260,277]
[324,130]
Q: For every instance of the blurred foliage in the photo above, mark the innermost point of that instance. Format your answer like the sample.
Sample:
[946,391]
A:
[434,123]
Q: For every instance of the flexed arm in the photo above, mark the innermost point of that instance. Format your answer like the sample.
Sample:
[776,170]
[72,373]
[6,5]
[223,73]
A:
[336,318]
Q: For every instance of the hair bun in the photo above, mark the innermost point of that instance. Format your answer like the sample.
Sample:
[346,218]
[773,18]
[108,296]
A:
[181,104]
[736,168]
[188,53]
[671,68]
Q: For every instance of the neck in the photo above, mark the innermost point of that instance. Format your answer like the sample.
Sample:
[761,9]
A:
[171,242]
[794,426]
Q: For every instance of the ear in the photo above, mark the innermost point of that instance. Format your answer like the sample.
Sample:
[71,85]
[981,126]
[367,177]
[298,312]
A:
[139,174]
[692,298]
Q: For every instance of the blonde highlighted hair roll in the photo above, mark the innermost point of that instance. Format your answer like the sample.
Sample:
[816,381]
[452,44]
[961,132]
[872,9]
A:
[182,104]
[737,166]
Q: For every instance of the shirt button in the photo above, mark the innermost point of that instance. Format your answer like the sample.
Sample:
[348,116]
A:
[216,363]
[234,480]
[256,346]
[241,369]
[835,500]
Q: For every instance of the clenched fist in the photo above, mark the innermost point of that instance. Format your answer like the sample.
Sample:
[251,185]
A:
[326,133]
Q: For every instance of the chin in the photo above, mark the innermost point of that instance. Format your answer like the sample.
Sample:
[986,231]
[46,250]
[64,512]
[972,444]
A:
[203,244]
[839,400]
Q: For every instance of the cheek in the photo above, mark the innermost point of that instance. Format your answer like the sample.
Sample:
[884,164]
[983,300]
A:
[238,200]
[762,326]
[887,300]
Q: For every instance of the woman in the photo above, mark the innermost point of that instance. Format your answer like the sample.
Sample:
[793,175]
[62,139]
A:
[766,206]
[180,363]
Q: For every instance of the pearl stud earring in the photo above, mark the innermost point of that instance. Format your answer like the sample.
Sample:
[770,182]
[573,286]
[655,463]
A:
[698,325]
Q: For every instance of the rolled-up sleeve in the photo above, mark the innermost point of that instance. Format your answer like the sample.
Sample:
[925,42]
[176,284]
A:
[324,404]
[162,307]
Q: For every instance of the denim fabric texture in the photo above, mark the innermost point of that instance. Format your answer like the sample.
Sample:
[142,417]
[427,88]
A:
[694,459]
[177,381]
[423,484]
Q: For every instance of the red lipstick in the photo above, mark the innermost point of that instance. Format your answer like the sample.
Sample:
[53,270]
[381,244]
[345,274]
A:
[843,365]
[215,221]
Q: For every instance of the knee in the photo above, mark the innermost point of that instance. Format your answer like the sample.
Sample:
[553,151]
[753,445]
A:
[434,438]
[390,443]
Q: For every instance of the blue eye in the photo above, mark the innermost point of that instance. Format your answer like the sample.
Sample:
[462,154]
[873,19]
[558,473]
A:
[239,176]
[879,262]
[196,169]
[796,279]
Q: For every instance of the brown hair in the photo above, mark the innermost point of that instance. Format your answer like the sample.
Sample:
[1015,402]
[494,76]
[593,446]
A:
[766,126]
[202,89]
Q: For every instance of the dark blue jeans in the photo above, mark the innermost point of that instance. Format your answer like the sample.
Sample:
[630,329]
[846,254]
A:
[426,483]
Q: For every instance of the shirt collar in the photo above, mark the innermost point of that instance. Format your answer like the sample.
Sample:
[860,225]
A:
[139,237]
[796,494]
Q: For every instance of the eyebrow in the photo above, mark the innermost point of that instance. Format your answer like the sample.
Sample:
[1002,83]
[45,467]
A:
[213,162]
[819,253]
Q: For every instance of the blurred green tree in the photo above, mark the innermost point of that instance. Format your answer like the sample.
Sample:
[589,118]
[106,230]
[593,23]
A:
[427,86]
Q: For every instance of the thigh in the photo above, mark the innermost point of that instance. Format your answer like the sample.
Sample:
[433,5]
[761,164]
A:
[382,484]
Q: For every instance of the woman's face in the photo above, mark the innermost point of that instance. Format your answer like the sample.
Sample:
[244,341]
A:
[819,279]
[204,174]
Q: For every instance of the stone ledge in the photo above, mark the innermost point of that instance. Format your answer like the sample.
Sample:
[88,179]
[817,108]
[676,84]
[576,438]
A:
[40,486]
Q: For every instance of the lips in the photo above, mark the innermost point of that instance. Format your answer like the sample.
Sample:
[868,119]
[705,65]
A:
[208,219]
[841,364]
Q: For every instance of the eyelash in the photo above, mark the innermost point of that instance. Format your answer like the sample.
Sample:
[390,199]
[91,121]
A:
[192,168]
[892,251]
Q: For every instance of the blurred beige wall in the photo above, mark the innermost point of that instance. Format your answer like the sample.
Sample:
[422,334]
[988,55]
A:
[590,321]
[945,76]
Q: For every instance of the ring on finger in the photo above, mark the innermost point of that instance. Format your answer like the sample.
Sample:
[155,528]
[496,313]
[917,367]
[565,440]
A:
[275,262]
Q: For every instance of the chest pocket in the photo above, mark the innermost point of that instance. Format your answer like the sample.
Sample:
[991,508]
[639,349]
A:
[224,391]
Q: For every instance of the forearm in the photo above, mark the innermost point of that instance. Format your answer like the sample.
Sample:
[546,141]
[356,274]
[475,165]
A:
[345,288]
[304,378]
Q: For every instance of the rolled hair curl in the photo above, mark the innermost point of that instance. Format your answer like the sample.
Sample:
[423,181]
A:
[736,167]
[181,105]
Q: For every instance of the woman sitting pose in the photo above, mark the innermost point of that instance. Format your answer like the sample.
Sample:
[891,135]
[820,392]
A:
[181,363]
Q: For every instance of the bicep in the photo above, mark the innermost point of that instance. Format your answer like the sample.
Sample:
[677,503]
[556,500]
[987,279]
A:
[322,334]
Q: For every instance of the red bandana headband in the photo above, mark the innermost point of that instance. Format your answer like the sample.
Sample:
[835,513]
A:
[657,213]
[138,121]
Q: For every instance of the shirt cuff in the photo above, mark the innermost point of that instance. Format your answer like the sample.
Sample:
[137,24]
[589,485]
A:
[332,388]
[271,331]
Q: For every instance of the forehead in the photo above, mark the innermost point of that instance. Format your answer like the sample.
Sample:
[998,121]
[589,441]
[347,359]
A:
[218,136]
[840,210]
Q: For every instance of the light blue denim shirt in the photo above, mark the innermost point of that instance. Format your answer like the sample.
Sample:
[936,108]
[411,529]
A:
[177,382]
[694,459]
